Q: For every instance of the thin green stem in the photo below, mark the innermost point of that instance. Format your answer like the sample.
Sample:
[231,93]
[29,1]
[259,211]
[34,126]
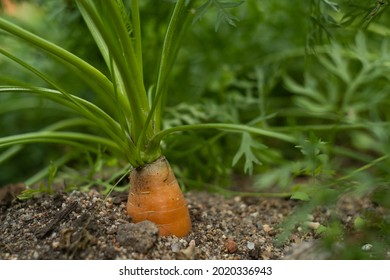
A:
[92,16]
[135,19]
[75,101]
[69,138]
[330,127]
[363,168]
[102,21]
[74,122]
[10,152]
[55,50]
[72,99]
[170,48]
[237,128]
[90,111]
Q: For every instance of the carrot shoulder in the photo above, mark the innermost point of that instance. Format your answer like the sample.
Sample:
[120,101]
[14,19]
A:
[155,195]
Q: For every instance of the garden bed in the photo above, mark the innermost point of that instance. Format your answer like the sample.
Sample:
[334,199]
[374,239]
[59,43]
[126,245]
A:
[82,225]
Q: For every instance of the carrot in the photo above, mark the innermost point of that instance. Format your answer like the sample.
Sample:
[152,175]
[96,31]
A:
[155,195]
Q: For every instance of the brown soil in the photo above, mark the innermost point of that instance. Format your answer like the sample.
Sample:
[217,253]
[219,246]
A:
[81,225]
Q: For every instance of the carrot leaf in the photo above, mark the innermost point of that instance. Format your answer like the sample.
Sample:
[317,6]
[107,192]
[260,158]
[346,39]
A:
[223,15]
[247,149]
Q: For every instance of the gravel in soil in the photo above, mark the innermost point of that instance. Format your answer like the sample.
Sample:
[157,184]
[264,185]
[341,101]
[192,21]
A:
[83,225]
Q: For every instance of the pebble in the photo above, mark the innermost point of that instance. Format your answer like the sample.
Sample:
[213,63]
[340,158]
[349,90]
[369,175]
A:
[183,242]
[109,204]
[55,244]
[254,215]
[26,217]
[267,228]
[176,247]
[112,230]
[188,253]
[35,255]
[231,245]
[117,200]
[250,245]
[140,237]
[367,247]
[313,225]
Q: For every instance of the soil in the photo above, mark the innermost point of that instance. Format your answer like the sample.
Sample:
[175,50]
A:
[84,225]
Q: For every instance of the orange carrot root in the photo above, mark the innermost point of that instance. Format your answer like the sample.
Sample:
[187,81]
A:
[156,196]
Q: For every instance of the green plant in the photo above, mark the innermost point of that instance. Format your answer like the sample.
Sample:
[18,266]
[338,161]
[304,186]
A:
[128,124]
[27,194]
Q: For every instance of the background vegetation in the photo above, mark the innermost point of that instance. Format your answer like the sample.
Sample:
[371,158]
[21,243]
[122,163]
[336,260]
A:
[317,69]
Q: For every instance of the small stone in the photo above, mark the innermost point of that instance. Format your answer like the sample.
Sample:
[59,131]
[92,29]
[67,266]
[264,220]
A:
[190,253]
[35,255]
[109,204]
[117,200]
[55,244]
[26,217]
[176,247]
[231,245]
[367,247]
[111,230]
[140,237]
[250,245]
[266,255]
[254,214]
[313,225]
[262,240]
[267,228]
[183,242]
